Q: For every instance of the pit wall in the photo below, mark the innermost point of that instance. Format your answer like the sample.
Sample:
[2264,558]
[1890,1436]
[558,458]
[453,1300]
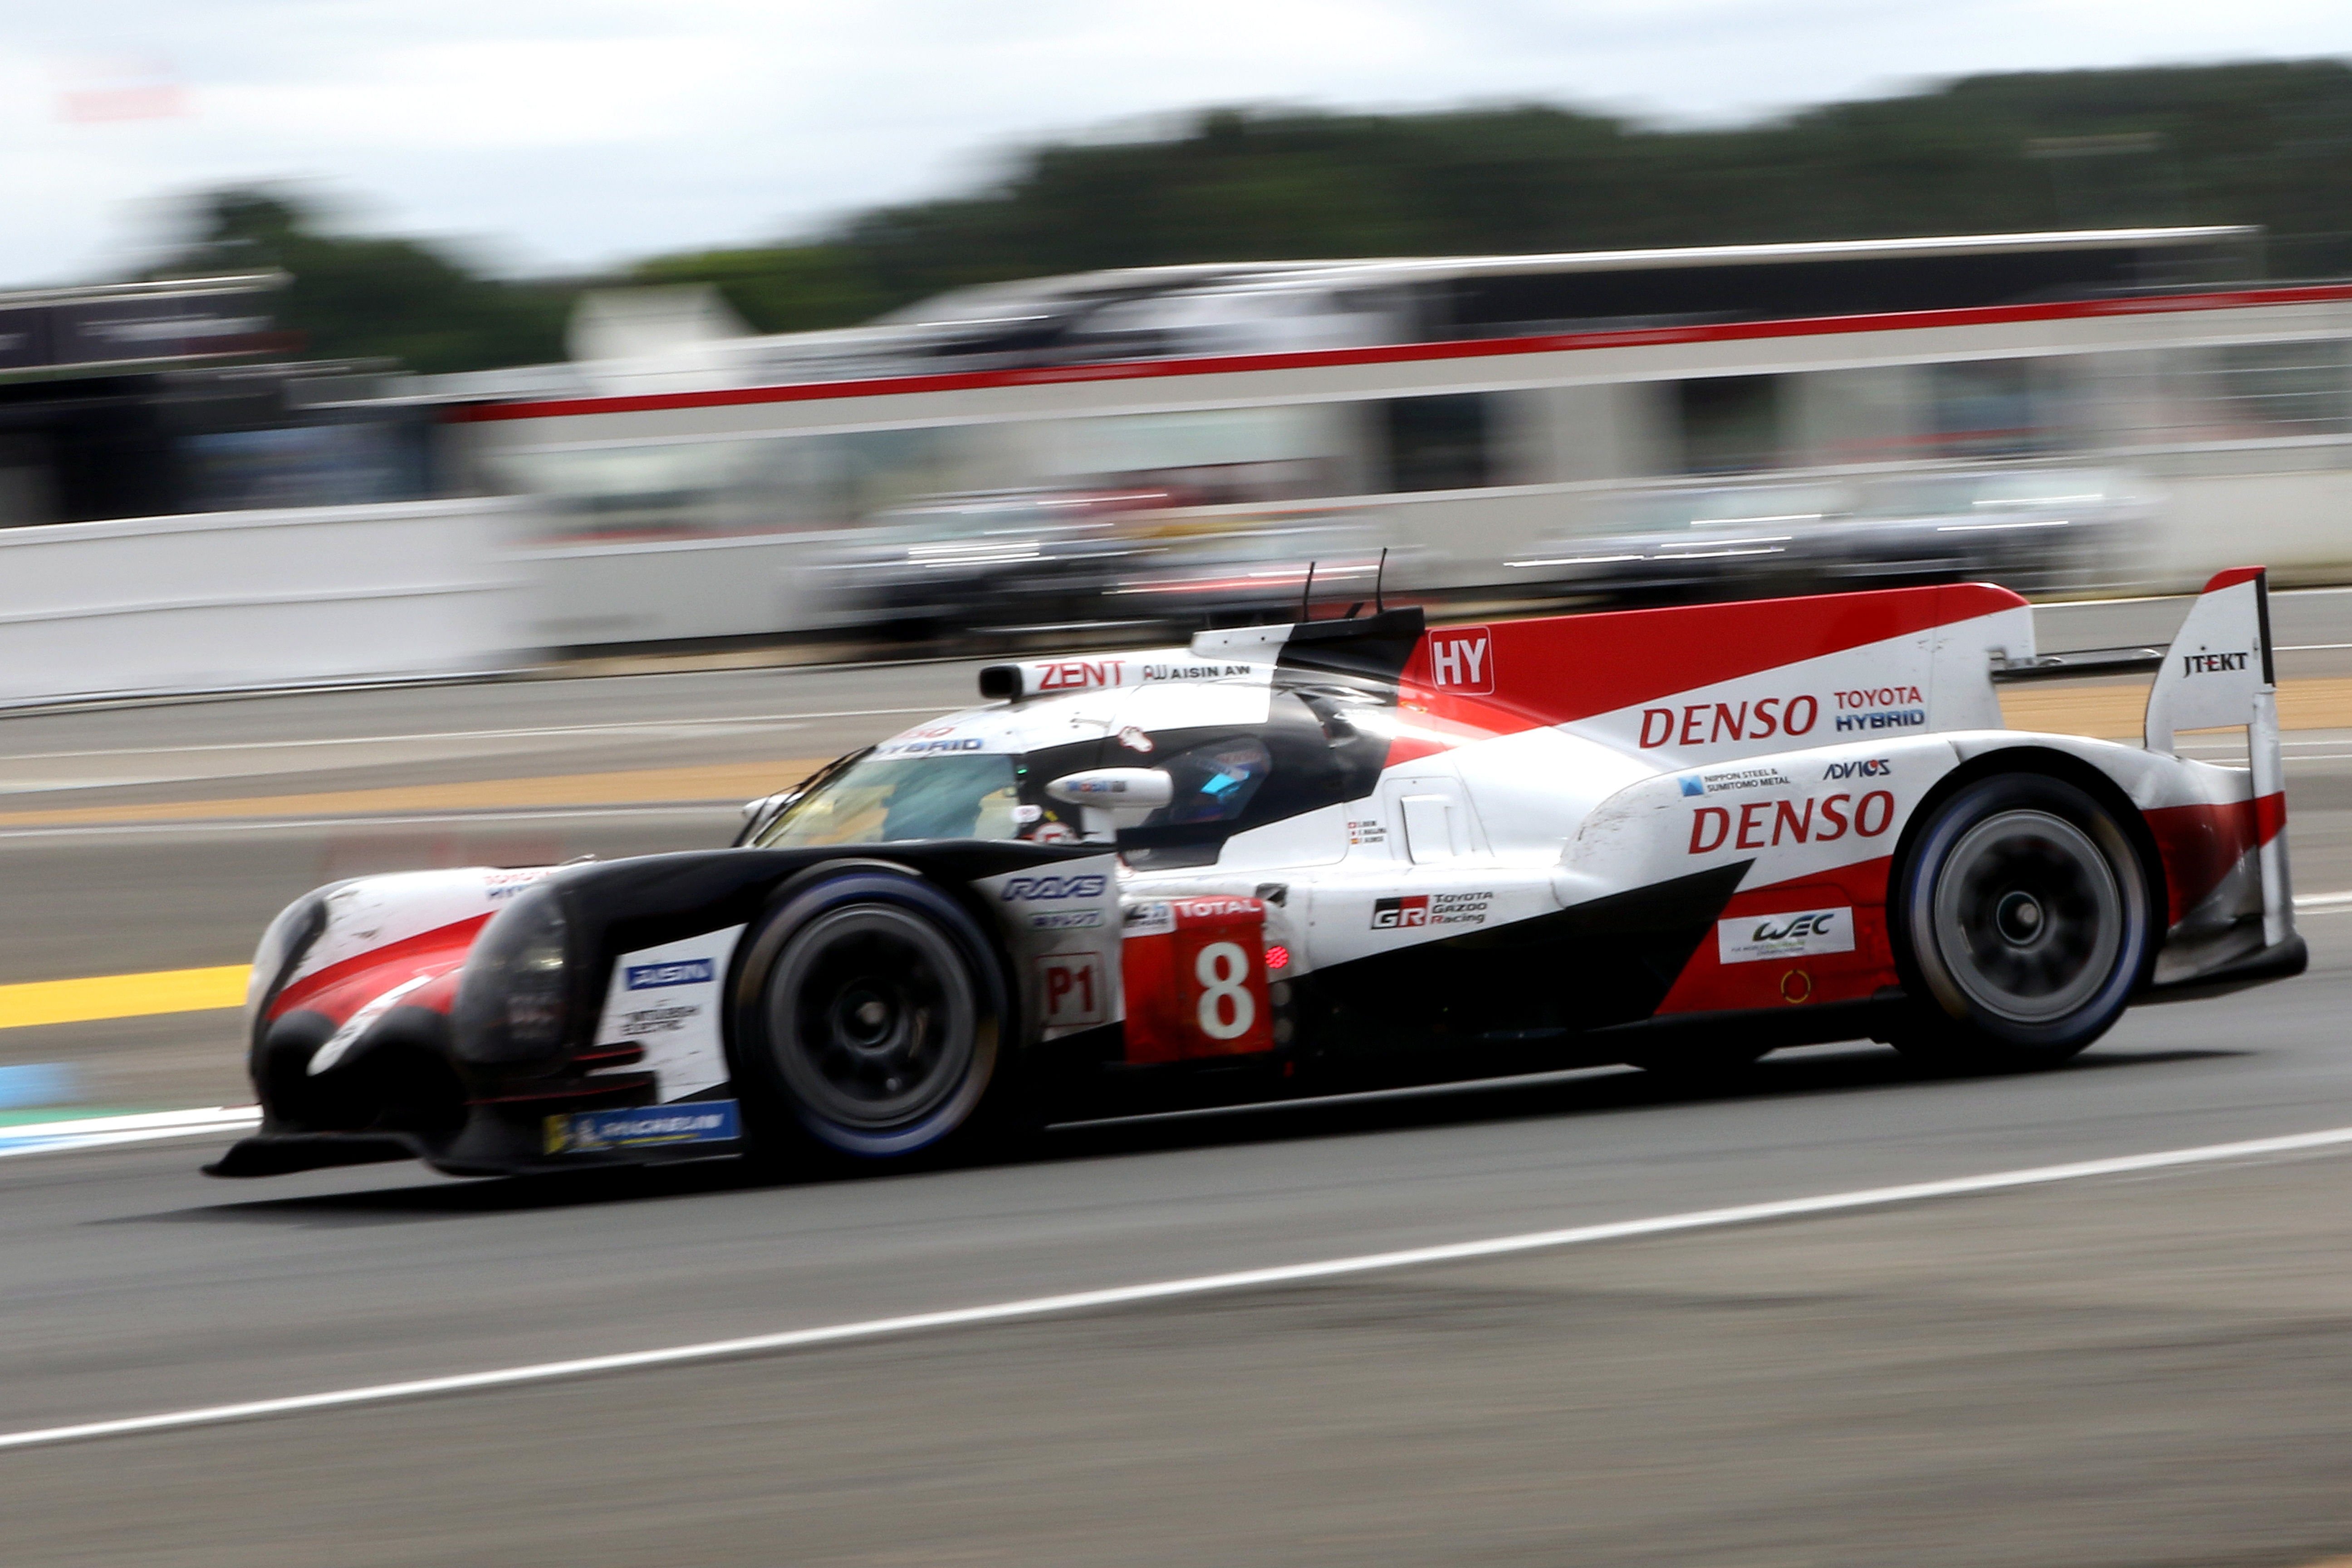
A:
[300,596]
[409,590]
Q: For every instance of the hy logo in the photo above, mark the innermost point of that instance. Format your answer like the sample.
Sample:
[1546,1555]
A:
[1462,660]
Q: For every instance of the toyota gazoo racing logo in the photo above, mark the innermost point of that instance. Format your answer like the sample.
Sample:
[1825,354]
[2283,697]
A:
[1415,911]
[1876,768]
[1025,889]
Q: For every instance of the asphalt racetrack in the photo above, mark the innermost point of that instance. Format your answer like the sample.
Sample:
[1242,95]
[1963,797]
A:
[2136,1366]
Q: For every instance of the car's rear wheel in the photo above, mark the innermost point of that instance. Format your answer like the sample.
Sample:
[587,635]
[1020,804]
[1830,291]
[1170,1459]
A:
[2021,924]
[871,1022]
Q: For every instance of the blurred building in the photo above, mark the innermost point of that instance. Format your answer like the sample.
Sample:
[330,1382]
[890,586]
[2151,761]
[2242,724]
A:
[159,398]
[1464,410]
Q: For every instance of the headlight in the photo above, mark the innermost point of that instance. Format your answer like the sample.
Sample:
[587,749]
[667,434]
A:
[514,999]
[289,936]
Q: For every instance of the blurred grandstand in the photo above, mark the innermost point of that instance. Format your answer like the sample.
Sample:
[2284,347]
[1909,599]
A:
[2067,411]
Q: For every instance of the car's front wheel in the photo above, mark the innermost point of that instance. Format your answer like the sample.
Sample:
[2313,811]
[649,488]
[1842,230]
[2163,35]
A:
[870,1021]
[2021,924]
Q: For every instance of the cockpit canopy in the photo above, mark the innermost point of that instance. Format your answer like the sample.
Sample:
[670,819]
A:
[1237,756]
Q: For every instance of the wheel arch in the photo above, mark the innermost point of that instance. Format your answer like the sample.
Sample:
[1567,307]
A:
[1013,1035]
[2050,763]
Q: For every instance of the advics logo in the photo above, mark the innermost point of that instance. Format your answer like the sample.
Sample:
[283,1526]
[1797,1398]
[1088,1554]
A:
[1876,768]
[1032,887]
[1462,660]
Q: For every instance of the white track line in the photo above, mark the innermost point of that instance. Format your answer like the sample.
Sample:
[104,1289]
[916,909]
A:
[105,1132]
[1168,1289]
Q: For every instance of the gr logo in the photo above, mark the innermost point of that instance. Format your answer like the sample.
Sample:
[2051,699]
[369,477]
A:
[1023,889]
[1463,659]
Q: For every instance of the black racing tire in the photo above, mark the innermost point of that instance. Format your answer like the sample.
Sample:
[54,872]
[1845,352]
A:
[2020,919]
[872,1025]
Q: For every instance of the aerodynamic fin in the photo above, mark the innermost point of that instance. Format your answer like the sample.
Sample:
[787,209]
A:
[2219,673]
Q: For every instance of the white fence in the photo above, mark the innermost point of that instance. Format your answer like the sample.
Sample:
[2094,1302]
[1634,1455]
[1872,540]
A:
[318,596]
[223,600]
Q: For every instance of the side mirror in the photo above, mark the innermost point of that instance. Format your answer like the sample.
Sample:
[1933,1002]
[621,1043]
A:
[1114,789]
[1113,797]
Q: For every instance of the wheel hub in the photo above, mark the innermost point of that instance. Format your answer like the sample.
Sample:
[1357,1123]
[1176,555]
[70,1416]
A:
[873,1017]
[2017,918]
[2027,916]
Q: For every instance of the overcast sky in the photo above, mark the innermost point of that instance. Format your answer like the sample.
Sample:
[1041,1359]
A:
[562,133]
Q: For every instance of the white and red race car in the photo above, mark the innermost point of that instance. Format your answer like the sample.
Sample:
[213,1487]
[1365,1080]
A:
[1293,857]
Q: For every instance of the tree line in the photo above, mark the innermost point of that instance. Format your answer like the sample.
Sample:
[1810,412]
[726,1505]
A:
[2267,143]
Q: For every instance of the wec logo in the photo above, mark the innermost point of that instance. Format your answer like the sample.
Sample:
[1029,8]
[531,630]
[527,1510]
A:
[1817,924]
[1030,889]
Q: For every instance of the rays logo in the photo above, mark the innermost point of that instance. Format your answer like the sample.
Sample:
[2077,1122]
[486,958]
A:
[1026,888]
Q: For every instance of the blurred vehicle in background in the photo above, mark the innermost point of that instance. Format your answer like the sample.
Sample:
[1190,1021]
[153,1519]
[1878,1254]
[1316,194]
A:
[2032,529]
[1020,562]
[1011,560]
[1235,571]
[1475,412]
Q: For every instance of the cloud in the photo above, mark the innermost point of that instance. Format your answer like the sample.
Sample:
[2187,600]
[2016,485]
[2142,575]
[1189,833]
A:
[574,132]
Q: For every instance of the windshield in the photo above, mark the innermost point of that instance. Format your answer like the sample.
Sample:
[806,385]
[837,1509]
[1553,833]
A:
[880,800]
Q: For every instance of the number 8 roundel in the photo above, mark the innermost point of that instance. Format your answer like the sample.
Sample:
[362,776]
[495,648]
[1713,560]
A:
[1227,1009]
[1195,981]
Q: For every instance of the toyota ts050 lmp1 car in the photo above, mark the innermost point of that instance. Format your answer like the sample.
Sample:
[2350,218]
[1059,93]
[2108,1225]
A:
[1290,857]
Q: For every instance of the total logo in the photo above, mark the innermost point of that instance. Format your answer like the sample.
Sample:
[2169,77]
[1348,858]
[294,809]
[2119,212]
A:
[1028,888]
[1876,768]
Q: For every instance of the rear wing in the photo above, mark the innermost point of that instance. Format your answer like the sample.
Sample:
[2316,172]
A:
[2219,673]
